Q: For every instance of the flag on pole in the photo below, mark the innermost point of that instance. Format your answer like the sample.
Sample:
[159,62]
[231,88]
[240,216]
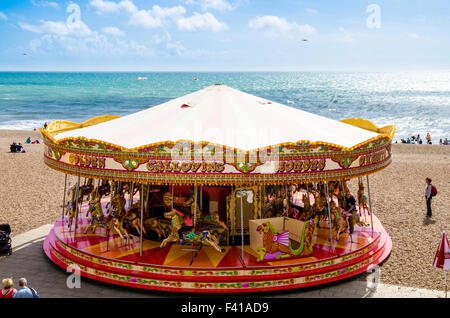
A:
[442,258]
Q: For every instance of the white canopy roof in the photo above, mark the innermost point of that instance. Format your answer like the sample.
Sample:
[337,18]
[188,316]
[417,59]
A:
[222,115]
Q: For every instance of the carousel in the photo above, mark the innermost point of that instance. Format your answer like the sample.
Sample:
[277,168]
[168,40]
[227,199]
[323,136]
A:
[218,191]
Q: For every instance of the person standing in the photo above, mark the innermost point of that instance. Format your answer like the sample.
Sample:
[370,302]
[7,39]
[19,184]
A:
[350,203]
[428,138]
[8,291]
[25,291]
[428,196]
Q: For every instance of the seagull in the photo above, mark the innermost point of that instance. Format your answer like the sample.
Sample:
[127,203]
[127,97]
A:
[305,40]
[24,53]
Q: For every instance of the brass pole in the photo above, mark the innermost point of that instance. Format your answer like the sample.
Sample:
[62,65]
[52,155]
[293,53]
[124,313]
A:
[64,199]
[141,195]
[370,203]
[329,217]
[76,205]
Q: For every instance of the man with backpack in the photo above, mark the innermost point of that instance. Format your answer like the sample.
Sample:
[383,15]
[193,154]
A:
[430,191]
[25,291]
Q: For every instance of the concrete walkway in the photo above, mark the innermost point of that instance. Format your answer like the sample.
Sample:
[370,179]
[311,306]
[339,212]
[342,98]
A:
[29,260]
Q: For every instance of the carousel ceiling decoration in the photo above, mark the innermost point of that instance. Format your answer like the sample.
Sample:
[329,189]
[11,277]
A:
[218,136]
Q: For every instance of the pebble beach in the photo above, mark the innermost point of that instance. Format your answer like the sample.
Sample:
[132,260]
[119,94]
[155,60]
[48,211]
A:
[31,195]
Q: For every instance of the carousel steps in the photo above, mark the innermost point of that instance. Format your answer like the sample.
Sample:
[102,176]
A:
[258,278]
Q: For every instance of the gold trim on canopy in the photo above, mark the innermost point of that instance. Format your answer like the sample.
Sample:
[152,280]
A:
[59,126]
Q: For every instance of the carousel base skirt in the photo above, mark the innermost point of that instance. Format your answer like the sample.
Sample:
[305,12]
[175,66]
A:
[179,268]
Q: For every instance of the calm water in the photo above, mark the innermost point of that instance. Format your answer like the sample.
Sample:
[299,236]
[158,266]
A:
[415,102]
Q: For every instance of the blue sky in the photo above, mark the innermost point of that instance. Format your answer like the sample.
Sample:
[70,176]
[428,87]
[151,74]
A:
[224,35]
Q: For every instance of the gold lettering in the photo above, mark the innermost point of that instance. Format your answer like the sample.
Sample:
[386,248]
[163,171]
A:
[151,165]
[288,166]
[219,167]
[186,166]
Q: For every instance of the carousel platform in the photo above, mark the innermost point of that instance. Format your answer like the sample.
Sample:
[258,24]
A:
[177,268]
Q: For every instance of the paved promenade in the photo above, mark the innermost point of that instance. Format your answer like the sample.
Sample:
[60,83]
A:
[28,260]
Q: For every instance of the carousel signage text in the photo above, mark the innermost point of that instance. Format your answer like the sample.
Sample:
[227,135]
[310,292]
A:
[184,166]
[87,161]
[301,165]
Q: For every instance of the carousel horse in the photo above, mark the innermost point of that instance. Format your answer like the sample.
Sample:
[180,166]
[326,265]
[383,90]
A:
[274,206]
[98,219]
[86,189]
[211,218]
[202,237]
[338,221]
[130,218]
[307,210]
[126,188]
[362,201]
[104,189]
[71,204]
[276,246]
[153,224]
[320,207]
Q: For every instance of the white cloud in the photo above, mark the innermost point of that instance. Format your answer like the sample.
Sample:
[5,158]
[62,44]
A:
[44,4]
[220,5]
[177,48]
[111,6]
[345,36]
[31,28]
[95,45]
[58,27]
[275,26]
[3,16]
[311,10]
[412,35]
[156,17]
[113,31]
[205,21]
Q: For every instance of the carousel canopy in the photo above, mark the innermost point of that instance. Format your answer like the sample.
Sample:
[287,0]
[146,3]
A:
[270,143]
[225,116]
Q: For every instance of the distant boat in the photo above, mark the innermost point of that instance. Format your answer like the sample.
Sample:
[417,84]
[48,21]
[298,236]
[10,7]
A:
[142,78]
[290,102]
[195,79]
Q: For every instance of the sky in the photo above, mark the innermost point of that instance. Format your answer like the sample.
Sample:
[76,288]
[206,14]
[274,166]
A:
[224,35]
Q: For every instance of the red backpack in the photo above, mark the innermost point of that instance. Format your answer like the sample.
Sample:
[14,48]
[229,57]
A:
[433,191]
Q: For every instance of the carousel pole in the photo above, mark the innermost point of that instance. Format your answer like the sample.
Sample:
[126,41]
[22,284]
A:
[130,205]
[195,202]
[329,217]
[141,195]
[172,195]
[76,205]
[370,203]
[233,215]
[242,225]
[201,198]
[64,199]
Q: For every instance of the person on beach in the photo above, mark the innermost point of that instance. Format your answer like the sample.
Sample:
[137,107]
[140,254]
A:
[428,196]
[19,148]
[445,141]
[12,147]
[7,288]
[28,141]
[25,291]
[428,138]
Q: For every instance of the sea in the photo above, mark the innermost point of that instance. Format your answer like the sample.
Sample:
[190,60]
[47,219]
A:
[416,102]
